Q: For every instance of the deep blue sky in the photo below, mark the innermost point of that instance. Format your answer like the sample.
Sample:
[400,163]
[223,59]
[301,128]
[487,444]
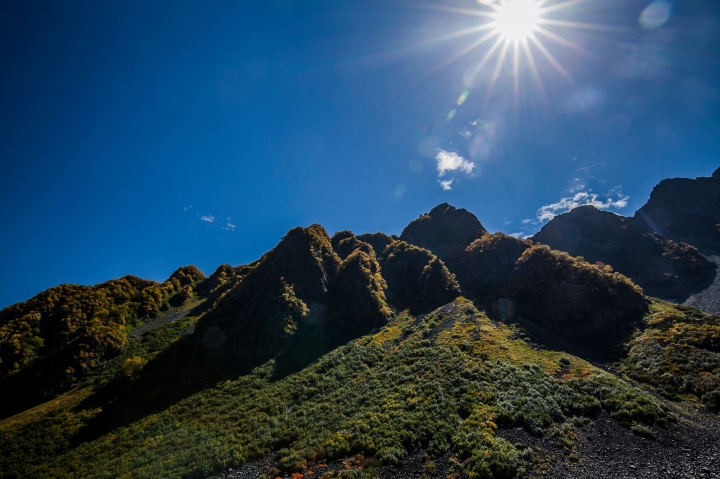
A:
[123,124]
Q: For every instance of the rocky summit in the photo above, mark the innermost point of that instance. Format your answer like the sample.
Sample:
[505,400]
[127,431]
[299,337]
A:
[686,210]
[443,230]
[446,352]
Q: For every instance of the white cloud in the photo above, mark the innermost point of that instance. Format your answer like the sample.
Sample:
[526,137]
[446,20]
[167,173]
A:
[582,198]
[465,133]
[451,161]
[527,221]
[229,227]
[186,208]
[208,218]
[577,187]
[446,185]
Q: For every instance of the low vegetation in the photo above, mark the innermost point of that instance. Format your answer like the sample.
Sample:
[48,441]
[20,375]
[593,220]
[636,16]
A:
[677,352]
[355,349]
[445,381]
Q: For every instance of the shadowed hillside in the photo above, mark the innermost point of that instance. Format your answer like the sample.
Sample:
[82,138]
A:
[417,279]
[662,267]
[511,278]
[52,341]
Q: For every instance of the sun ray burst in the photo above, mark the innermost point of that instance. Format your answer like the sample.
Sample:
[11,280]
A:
[536,73]
[552,59]
[518,27]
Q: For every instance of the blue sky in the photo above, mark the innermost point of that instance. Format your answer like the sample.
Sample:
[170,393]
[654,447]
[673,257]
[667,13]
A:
[137,137]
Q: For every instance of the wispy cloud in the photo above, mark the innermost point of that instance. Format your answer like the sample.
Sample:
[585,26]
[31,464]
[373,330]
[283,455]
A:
[229,227]
[465,133]
[451,161]
[446,185]
[578,187]
[590,167]
[187,208]
[208,218]
[583,198]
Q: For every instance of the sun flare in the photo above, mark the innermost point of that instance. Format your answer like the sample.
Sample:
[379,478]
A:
[513,35]
[516,20]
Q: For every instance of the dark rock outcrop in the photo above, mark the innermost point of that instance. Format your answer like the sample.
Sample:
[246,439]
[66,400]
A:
[443,230]
[686,210]
[662,267]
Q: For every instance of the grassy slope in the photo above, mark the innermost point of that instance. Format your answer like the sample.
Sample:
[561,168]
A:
[445,381]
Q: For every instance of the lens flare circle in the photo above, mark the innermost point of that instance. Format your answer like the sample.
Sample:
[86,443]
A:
[516,20]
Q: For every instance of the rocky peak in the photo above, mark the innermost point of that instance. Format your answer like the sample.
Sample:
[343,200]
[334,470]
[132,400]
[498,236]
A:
[443,230]
[662,267]
[306,259]
[187,275]
[345,242]
[686,210]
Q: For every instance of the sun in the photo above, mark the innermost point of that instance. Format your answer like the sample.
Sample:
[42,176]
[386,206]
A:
[514,33]
[516,20]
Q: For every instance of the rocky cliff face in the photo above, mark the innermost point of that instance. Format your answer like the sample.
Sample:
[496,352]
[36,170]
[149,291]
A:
[662,267]
[685,210]
[443,230]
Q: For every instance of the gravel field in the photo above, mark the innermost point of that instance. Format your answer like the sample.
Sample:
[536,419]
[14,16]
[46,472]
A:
[708,300]
[688,449]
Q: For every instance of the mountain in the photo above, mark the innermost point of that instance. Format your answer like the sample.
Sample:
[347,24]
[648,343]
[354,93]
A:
[686,210]
[663,268]
[443,230]
[445,352]
[51,342]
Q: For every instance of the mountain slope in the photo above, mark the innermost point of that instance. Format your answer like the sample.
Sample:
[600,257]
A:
[662,267]
[357,357]
[446,381]
[52,341]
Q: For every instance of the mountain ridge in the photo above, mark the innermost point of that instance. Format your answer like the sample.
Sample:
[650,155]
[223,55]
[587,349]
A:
[447,350]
